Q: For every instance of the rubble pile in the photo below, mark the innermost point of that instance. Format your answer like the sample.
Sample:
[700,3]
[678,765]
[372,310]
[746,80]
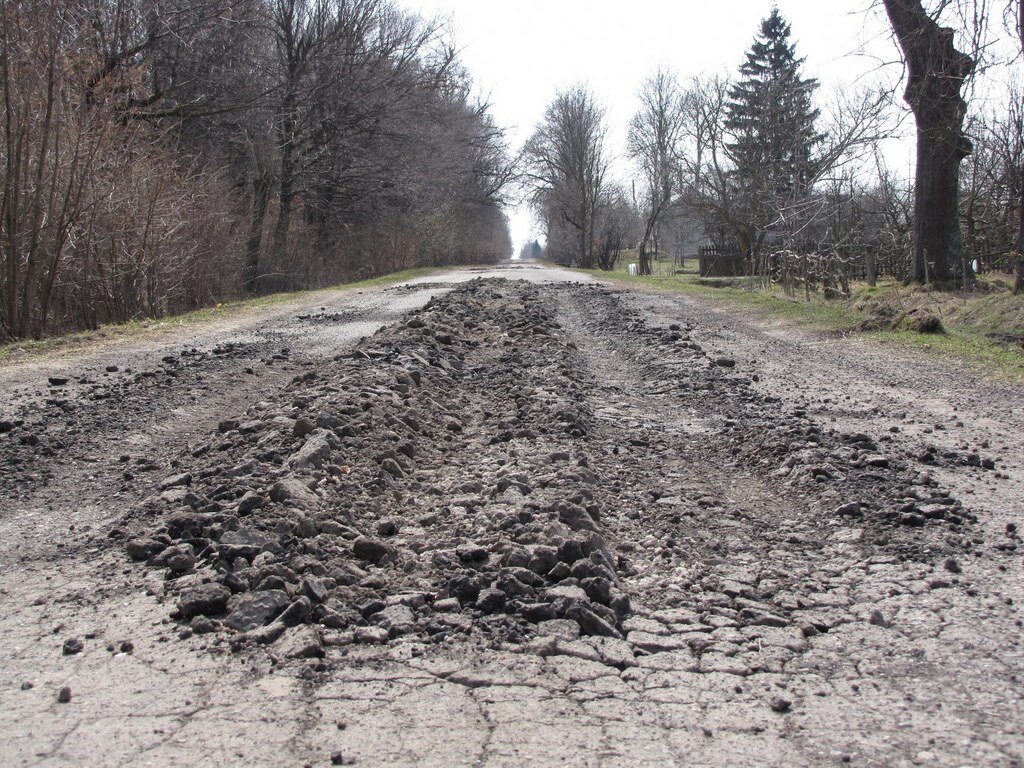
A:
[435,479]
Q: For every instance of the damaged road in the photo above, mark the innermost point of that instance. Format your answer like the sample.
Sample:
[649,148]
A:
[538,521]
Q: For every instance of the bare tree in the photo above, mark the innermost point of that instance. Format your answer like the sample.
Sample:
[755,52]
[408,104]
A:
[892,203]
[655,135]
[151,147]
[140,52]
[704,166]
[567,165]
[302,30]
[617,226]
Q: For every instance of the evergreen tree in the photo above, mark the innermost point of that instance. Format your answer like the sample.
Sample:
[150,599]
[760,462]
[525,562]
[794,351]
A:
[771,118]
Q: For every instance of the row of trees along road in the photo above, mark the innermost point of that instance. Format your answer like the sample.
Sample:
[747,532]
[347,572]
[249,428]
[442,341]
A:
[797,186]
[160,155]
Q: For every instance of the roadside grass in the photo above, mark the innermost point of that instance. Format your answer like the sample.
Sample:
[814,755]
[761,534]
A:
[150,327]
[983,329]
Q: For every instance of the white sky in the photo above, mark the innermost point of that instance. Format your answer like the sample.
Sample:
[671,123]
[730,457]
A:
[521,51]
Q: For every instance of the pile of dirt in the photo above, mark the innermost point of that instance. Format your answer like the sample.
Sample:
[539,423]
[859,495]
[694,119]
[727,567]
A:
[923,321]
[314,506]
[462,475]
[56,421]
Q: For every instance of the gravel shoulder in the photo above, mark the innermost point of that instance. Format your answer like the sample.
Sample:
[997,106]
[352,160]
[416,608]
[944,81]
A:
[515,520]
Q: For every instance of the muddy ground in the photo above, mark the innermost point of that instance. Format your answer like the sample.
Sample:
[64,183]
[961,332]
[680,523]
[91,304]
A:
[508,517]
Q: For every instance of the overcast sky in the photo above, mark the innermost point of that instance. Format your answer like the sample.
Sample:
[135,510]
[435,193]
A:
[521,51]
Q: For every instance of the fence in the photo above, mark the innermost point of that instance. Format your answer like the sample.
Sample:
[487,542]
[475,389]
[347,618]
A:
[714,262]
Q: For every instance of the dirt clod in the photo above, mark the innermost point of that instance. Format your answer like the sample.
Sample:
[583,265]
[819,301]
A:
[780,704]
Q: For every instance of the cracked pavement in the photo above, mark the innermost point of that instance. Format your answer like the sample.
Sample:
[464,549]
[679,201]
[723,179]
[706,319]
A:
[769,623]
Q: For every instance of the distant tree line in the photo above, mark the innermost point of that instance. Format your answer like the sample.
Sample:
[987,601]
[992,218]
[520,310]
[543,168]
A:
[789,187]
[160,155]
[532,250]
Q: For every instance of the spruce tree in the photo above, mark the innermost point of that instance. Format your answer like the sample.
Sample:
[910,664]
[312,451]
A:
[771,118]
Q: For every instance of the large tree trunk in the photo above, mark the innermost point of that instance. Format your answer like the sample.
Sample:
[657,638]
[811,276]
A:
[260,196]
[583,246]
[645,259]
[586,236]
[938,241]
[646,268]
[286,196]
[936,71]
[1018,284]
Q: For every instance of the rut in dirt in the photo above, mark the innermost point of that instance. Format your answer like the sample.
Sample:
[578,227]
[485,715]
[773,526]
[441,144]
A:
[537,468]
